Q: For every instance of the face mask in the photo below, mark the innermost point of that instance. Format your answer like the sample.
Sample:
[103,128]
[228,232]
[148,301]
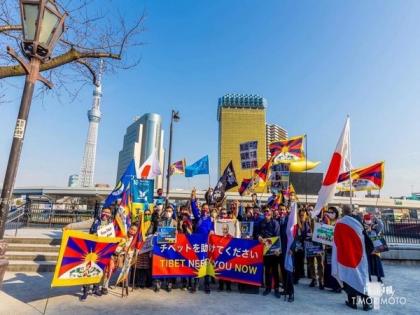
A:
[331,215]
[104,217]
[147,217]
[169,215]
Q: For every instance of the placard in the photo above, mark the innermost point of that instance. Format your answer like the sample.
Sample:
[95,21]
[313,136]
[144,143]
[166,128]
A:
[313,249]
[280,177]
[166,235]
[272,245]
[227,227]
[248,153]
[379,243]
[247,229]
[323,233]
[147,245]
[107,230]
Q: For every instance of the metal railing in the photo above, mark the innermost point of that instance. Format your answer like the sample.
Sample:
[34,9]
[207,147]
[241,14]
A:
[47,215]
[403,231]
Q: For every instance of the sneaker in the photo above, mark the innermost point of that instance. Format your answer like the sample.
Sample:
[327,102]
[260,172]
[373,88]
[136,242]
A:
[266,292]
[97,292]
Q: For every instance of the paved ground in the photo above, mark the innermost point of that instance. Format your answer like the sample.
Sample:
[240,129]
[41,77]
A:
[28,293]
[34,232]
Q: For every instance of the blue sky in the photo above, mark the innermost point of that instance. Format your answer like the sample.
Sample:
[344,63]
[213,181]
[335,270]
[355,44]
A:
[314,61]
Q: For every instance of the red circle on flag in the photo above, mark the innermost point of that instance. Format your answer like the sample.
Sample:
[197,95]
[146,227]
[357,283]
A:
[333,170]
[349,246]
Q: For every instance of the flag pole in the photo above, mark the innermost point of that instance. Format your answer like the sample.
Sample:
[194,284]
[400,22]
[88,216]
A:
[350,179]
[306,168]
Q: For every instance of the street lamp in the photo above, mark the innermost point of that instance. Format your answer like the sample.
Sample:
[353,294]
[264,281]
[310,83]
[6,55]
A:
[174,118]
[42,24]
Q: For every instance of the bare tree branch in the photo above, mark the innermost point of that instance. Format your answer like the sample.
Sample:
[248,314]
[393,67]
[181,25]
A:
[8,28]
[95,29]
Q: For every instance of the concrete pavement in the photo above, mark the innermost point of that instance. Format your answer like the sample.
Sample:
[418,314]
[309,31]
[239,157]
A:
[27,293]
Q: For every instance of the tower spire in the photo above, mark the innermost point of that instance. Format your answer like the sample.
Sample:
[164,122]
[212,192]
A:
[94,116]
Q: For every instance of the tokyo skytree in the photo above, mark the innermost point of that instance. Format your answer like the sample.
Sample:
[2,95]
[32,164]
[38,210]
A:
[94,115]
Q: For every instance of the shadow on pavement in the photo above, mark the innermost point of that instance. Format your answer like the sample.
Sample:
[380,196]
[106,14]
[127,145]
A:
[29,288]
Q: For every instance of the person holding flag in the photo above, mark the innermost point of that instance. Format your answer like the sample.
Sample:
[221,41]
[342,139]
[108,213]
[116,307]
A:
[349,262]
[166,221]
[291,232]
[203,225]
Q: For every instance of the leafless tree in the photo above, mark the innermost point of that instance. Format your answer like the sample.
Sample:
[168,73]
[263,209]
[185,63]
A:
[95,30]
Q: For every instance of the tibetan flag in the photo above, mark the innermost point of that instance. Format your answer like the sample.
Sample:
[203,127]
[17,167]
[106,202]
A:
[82,258]
[198,168]
[288,150]
[122,185]
[187,257]
[349,261]
[245,186]
[150,168]
[177,167]
[365,178]
[340,162]
[235,259]
[227,181]
[262,173]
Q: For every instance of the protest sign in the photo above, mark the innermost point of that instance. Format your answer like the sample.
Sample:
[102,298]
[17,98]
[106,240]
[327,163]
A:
[323,233]
[187,257]
[82,258]
[248,153]
[235,259]
[272,245]
[227,227]
[166,234]
[247,229]
[379,243]
[106,230]
[312,249]
[280,177]
[147,245]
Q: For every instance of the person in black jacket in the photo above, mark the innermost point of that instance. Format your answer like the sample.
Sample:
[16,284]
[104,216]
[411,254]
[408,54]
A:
[270,228]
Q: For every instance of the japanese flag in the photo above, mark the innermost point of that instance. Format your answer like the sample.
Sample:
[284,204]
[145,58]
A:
[150,168]
[349,260]
[340,162]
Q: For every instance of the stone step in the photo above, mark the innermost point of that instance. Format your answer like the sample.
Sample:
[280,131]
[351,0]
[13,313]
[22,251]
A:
[31,256]
[41,248]
[31,266]
[32,240]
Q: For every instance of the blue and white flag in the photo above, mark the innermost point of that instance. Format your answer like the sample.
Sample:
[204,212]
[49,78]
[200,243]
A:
[198,168]
[122,184]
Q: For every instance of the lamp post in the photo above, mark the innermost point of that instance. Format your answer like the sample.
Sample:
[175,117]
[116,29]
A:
[174,118]
[43,25]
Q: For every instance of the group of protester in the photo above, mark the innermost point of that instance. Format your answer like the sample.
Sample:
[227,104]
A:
[270,220]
